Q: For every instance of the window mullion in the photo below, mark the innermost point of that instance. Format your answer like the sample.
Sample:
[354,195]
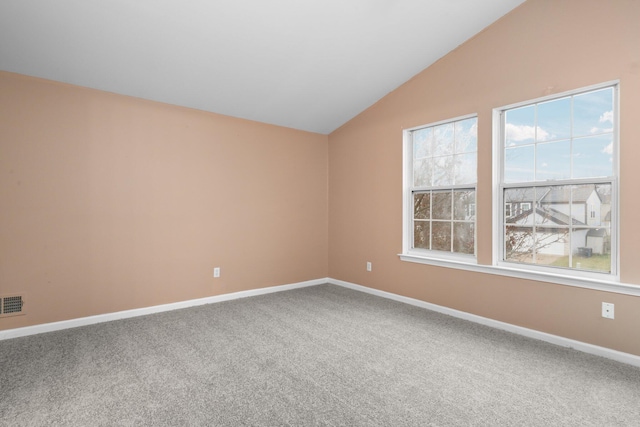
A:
[451,220]
[430,220]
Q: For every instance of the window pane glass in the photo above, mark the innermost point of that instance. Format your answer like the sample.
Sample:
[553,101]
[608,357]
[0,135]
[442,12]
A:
[552,246]
[466,138]
[443,139]
[464,205]
[422,141]
[520,126]
[441,236]
[519,164]
[593,112]
[443,171]
[518,243]
[421,234]
[421,206]
[553,160]
[422,172]
[441,205]
[595,254]
[585,205]
[463,238]
[465,168]
[593,156]
[507,210]
[604,193]
[572,225]
[554,120]
[554,205]
[519,201]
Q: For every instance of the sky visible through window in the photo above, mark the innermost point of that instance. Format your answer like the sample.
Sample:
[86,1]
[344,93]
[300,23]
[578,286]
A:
[566,138]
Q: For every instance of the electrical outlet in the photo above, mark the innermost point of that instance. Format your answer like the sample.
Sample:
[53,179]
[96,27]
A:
[607,310]
[216,272]
[368,266]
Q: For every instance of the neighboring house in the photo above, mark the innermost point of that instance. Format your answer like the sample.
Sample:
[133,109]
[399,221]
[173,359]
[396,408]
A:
[583,203]
[585,209]
[605,208]
[518,201]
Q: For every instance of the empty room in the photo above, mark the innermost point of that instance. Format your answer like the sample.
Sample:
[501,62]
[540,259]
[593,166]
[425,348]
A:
[342,213]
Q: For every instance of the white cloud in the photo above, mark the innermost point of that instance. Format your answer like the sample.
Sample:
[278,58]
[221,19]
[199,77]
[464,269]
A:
[545,164]
[524,132]
[607,116]
[608,149]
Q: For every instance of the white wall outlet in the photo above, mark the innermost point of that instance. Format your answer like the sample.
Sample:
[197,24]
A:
[368,266]
[607,310]
[216,272]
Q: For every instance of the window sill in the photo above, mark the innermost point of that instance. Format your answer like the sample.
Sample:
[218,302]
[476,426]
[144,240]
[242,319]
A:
[560,279]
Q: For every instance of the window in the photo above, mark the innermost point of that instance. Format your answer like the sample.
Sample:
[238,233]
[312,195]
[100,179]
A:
[471,210]
[557,183]
[440,188]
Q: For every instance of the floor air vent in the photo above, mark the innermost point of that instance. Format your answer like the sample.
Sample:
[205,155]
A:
[11,305]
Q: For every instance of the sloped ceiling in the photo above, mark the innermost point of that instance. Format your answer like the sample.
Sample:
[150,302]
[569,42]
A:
[305,64]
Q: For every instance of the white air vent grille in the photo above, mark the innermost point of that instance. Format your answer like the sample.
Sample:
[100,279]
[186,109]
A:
[11,305]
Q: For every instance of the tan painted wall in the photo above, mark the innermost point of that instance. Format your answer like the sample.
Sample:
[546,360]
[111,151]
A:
[111,203]
[542,47]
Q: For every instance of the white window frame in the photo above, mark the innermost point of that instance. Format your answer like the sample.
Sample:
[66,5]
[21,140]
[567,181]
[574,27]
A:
[425,256]
[537,271]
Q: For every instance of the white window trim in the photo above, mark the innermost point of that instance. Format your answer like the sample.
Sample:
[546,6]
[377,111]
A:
[407,203]
[558,279]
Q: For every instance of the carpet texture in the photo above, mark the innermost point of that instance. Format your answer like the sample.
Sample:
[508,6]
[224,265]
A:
[321,355]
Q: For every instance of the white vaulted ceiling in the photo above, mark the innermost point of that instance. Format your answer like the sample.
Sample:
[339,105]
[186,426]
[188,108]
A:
[305,64]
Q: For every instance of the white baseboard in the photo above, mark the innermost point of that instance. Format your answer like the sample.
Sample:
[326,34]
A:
[619,356]
[90,320]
